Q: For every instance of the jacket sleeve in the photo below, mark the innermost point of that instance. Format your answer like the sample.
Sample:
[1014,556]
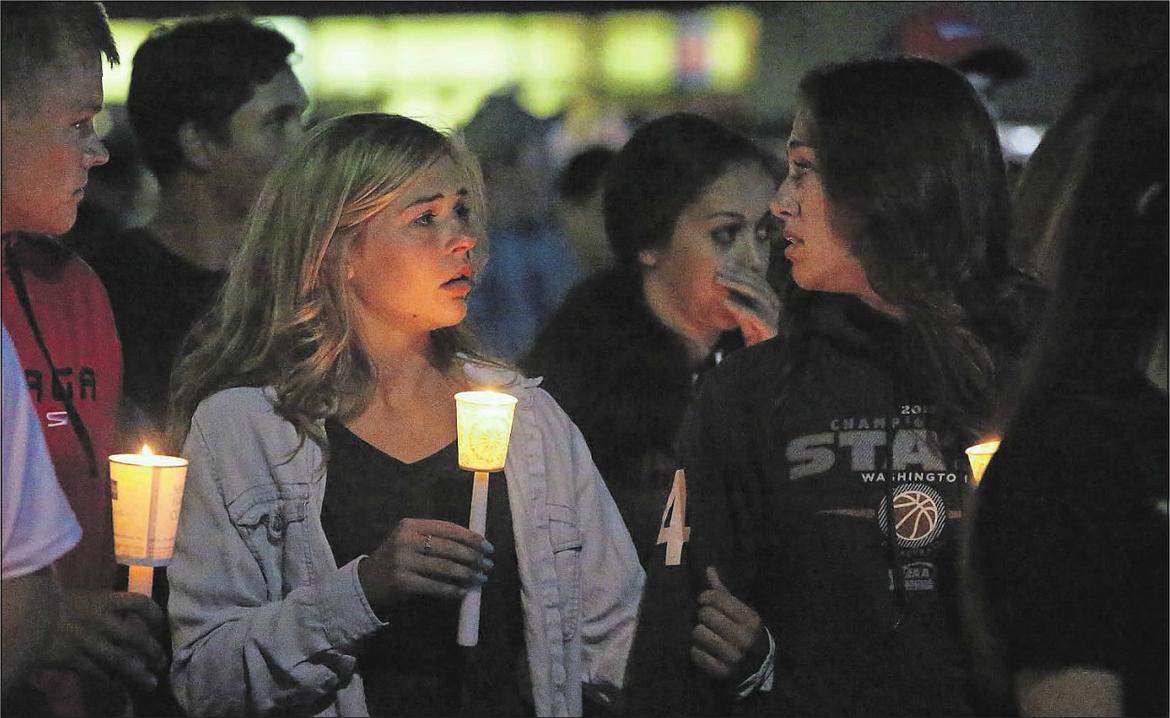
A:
[243,646]
[611,577]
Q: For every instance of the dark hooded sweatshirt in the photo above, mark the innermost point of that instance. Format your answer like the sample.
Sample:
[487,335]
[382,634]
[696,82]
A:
[625,380]
[788,491]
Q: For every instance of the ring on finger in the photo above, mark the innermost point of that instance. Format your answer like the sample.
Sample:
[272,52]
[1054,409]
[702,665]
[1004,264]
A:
[426,544]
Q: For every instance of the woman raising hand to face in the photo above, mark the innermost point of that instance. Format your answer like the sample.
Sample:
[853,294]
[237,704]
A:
[686,205]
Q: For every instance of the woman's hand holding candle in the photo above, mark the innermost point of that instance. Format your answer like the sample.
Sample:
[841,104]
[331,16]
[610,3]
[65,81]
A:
[424,557]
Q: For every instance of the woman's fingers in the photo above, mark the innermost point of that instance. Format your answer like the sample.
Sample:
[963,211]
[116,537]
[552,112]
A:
[437,548]
[734,633]
[715,645]
[462,572]
[709,665]
[420,556]
[728,634]
[446,562]
[449,531]
[754,290]
[448,553]
[755,306]
[417,585]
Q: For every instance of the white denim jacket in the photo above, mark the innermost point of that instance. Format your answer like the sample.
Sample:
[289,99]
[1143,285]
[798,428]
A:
[263,621]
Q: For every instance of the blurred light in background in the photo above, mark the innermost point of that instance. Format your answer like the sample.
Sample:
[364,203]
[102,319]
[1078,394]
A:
[128,35]
[555,59]
[637,52]
[719,48]
[441,67]
[1019,141]
[300,35]
[343,52]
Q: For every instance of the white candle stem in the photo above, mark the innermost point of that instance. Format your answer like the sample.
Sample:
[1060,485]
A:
[469,610]
[141,580]
[469,618]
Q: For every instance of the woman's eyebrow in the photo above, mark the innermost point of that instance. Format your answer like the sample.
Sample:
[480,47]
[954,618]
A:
[427,200]
[424,200]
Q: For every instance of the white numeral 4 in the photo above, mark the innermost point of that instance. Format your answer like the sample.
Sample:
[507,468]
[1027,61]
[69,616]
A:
[676,533]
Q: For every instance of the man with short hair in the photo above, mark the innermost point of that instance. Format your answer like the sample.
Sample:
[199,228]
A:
[214,105]
[59,320]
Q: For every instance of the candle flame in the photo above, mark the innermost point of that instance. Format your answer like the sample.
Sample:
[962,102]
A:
[146,451]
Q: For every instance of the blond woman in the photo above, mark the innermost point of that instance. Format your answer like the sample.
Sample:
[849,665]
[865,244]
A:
[320,556]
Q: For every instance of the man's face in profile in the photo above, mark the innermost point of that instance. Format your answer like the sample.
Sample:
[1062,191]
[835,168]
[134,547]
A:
[48,144]
[259,133]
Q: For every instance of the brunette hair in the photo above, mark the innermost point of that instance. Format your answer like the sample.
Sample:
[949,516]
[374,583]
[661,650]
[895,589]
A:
[284,317]
[662,169]
[1110,293]
[1104,176]
[912,168]
[1042,201]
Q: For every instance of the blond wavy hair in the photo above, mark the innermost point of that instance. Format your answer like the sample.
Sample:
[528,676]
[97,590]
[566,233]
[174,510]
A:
[285,316]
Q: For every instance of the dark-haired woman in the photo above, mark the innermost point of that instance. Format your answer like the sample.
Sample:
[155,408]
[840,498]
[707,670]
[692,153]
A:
[1070,543]
[686,214]
[815,516]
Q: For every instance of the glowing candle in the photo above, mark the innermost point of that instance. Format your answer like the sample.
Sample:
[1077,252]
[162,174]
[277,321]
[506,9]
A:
[980,456]
[484,422]
[147,492]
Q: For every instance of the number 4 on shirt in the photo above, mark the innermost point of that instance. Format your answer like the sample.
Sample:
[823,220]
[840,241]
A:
[675,533]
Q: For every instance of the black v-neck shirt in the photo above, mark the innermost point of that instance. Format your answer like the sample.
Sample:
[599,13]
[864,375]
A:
[414,666]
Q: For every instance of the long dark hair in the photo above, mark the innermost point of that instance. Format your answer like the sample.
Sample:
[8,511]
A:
[1107,214]
[1110,296]
[1042,200]
[912,167]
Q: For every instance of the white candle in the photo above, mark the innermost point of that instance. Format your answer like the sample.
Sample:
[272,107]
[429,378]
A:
[147,491]
[484,421]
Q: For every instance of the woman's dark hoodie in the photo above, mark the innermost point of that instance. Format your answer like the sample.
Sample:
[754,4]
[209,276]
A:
[626,381]
[788,494]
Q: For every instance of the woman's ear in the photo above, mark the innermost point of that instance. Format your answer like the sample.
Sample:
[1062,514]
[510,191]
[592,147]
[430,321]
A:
[648,257]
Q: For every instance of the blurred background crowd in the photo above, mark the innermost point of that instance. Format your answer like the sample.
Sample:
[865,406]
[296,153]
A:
[541,90]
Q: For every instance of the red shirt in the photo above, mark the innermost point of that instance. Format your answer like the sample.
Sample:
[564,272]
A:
[74,317]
